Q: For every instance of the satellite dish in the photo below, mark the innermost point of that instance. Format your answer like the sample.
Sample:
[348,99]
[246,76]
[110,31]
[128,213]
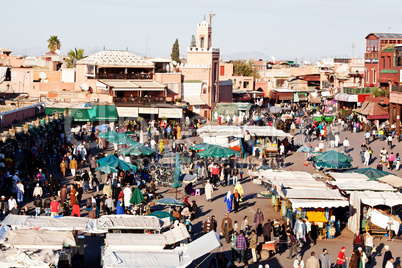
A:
[85,87]
[273,58]
[57,51]
[318,64]
[174,63]
[42,75]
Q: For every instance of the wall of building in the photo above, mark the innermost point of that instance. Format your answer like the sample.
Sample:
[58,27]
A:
[51,76]
[225,91]
[17,61]
[21,80]
[173,81]
[17,115]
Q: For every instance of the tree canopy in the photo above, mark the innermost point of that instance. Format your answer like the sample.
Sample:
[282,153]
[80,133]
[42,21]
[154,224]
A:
[176,52]
[380,92]
[244,68]
[53,43]
[74,55]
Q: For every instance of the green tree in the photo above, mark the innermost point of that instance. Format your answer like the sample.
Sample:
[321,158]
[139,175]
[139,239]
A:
[175,52]
[193,42]
[244,68]
[380,92]
[53,43]
[74,55]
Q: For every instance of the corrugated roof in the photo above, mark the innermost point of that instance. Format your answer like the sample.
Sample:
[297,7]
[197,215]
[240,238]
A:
[114,58]
[388,35]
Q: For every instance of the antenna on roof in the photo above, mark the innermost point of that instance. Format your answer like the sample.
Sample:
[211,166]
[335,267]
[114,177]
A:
[211,15]
[389,28]
[104,48]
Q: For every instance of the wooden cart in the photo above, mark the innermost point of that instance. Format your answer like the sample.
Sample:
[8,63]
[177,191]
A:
[268,249]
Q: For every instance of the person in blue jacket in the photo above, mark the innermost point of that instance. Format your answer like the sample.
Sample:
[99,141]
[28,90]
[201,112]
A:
[229,200]
[120,206]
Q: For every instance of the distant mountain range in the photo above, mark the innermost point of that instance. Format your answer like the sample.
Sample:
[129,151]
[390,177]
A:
[256,55]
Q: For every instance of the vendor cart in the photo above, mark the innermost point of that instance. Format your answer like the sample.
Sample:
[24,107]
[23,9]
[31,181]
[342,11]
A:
[268,249]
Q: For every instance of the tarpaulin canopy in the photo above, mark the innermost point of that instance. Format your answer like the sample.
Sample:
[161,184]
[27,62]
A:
[299,184]
[166,258]
[357,185]
[373,174]
[240,131]
[39,239]
[392,180]
[333,156]
[313,194]
[373,110]
[384,221]
[129,222]
[371,199]
[203,245]
[333,164]
[318,203]
[348,176]
[12,257]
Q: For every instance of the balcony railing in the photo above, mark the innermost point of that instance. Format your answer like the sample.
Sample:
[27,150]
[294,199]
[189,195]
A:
[125,76]
[143,100]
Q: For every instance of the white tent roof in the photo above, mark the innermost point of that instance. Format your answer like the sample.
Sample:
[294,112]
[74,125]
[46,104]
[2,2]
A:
[146,241]
[165,258]
[357,185]
[348,176]
[318,203]
[116,58]
[62,223]
[129,222]
[39,239]
[203,245]
[392,180]
[297,175]
[299,183]
[238,131]
[380,198]
[13,257]
[15,220]
[313,194]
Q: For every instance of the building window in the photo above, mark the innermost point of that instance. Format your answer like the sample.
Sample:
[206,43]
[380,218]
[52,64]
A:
[374,76]
[383,62]
[246,84]
[367,76]
[202,42]
[222,71]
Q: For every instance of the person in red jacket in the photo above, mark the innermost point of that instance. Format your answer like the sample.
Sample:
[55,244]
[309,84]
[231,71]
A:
[76,210]
[54,207]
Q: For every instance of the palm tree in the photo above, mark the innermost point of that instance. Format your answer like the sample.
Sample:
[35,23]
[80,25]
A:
[75,55]
[53,43]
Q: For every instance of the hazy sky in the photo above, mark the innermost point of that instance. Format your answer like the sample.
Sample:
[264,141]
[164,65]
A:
[309,29]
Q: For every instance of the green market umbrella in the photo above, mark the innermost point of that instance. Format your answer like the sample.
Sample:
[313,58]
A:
[122,140]
[264,167]
[129,133]
[373,174]
[136,197]
[169,202]
[118,164]
[162,214]
[107,159]
[201,146]
[333,156]
[107,169]
[109,134]
[218,151]
[136,150]
[333,164]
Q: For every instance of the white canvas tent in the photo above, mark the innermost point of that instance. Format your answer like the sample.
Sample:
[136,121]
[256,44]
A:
[392,180]
[313,194]
[11,258]
[39,239]
[348,176]
[179,257]
[371,199]
[358,185]
[132,222]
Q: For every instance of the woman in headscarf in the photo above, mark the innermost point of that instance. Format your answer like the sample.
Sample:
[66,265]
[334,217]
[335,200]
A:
[229,200]
[73,196]
[258,221]
[236,200]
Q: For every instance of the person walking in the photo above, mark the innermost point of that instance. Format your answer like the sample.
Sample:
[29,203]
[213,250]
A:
[235,174]
[241,246]
[389,141]
[37,191]
[312,262]
[63,168]
[229,201]
[208,225]
[357,240]
[226,227]
[391,159]
[38,205]
[46,205]
[298,263]
[387,256]
[208,191]
[398,161]
[363,257]
[73,166]
[267,230]
[120,207]
[54,207]
[253,241]
[346,145]
[292,244]
[63,194]
[390,263]
[368,245]
[300,231]
[354,259]
[367,157]
[337,140]
[367,137]
[236,200]
[341,259]
[258,221]
[20,192]
[308,231]
[325,259]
